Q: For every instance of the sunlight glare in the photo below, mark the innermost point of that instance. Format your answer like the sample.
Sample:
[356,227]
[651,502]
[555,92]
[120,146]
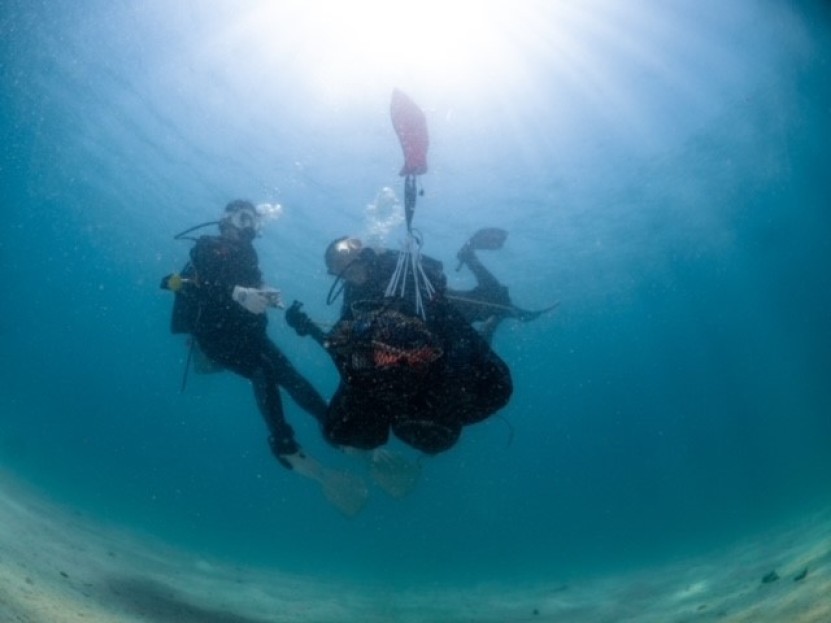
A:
[573,62]
[343,46]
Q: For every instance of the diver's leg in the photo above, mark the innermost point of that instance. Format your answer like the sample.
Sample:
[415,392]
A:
[300,389]
[484,277]
[281,435]
[489,301]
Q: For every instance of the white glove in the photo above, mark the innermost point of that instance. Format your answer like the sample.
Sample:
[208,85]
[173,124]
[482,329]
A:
[257,300]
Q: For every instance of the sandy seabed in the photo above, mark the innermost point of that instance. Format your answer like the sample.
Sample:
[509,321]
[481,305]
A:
[58,566]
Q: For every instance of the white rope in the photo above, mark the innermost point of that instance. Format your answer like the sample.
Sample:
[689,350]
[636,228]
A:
[409,264]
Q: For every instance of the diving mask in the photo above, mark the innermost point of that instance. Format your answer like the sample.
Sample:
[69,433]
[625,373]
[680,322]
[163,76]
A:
[245,219]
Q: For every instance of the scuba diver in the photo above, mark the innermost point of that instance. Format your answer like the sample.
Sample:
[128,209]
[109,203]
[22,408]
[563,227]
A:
[409,362]
[221,301]
[488,303]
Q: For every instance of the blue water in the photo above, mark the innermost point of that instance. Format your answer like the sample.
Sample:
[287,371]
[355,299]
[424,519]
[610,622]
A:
[666,180]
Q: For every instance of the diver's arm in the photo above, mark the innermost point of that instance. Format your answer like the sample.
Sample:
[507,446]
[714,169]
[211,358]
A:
[299,320]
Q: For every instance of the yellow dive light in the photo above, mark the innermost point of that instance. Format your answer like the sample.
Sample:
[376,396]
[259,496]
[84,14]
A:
[175,282]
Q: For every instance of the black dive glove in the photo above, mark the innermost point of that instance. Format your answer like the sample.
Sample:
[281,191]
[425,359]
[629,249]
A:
[298,320]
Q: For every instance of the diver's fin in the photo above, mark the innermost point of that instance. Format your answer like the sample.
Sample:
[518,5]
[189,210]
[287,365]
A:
[488,239]
[485,239]
[393,472]
[346,492]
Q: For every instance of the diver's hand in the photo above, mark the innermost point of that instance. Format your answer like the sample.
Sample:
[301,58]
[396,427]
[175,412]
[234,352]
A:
[299,320]
[257,300]
[275,299]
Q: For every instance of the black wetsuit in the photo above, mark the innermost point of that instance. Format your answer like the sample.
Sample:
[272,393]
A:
[459,381]
[231,336]
[489,302]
